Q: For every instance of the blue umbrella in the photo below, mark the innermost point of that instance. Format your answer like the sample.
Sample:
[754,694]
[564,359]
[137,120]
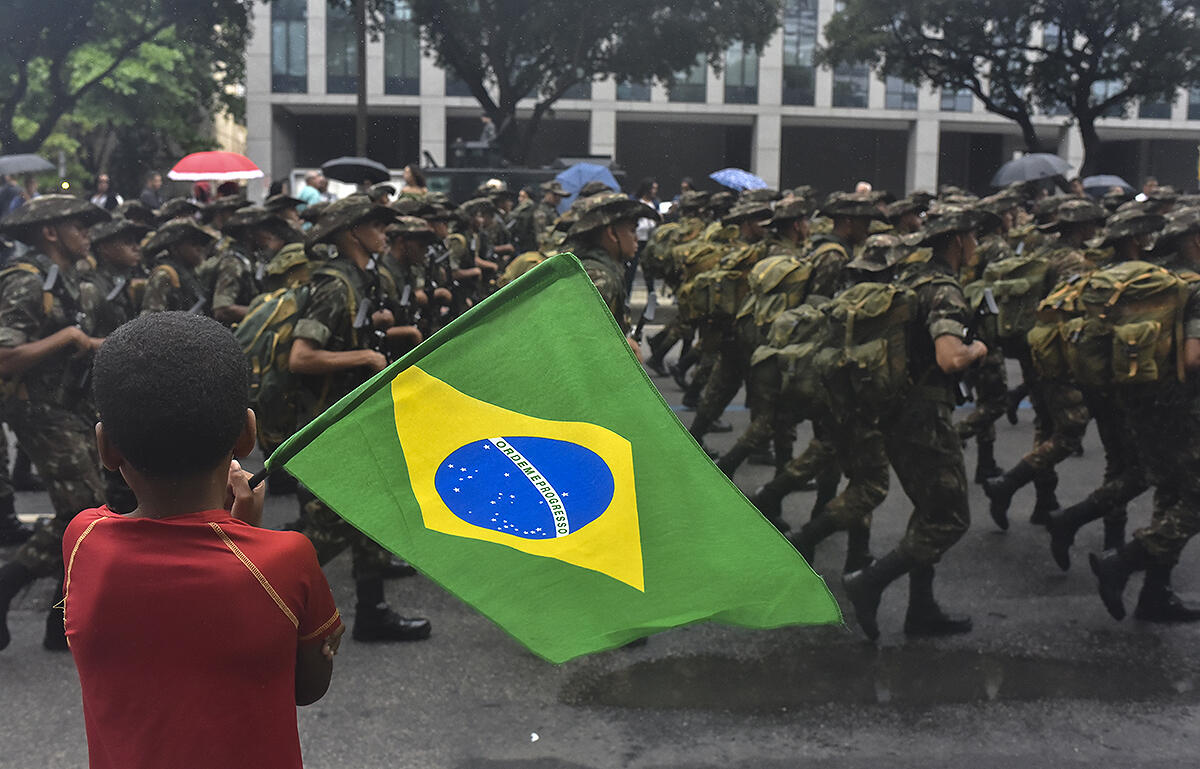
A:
[736,178]
[580,174]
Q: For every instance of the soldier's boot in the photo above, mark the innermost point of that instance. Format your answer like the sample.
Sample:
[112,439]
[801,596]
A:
[827,489]
[858,549]
[865,587]
[375,621]
[680,369]
[13,577]
[1045,485]
[1012,402]
[657,353]
[925,617]
[769,501]
[23,477]
[1158,603]
[1114,530]
[985,461]
[731,460]
[720,426]
[1000,491]
[55,639]
[691,395]
[811,534]
[12,531]
[1064,524]
[1112,569]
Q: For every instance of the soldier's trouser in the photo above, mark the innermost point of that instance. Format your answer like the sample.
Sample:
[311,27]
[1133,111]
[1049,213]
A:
[990,385]
[1166,423]
[728,374]
[1124,475]
[6,485]
[863,459]
[818,457]
[769,417]
[926,454]
[63,446]
[662,342]
[1067,417]
[331,535]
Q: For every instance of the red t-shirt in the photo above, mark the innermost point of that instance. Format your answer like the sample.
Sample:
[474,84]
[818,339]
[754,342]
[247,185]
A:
[184,631]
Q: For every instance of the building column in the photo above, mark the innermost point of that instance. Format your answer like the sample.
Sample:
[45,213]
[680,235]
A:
[433,112]
[316,47]
[1070,148]
[258,92]
[602,139]
[922,169]
[768,147]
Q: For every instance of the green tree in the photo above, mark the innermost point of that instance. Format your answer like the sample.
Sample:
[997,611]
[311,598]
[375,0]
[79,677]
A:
[1087,57]
[75,66]
[510,50]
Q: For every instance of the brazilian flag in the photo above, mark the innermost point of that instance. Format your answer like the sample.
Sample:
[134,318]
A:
[521,459]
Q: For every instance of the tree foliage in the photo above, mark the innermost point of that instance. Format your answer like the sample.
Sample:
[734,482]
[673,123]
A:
[1085,57]
[103,75]
[510,50]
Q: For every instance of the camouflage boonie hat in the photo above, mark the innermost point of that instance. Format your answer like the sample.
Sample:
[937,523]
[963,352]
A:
[291,255]
[747,211]
[136,211]
[177,207]
[998,203]
[861,204]
[408,206]
[410,227]
[594,188]
[693,200]
[176,231]
[907,205]
[437,212]
[381,190]
[1043,210]
[226,203]
[313,211]
[721,202]
[47,209]
[1114,199]
[477,206]
[1074,211]
[347,212]
[1130,223]
[879,252]
[764,195]
[803,191]
[281,202]
[245,218]
[1179,222]
[947,218]
[1164,194]
[117,227]
[554,187]
[792,208]
[608,208]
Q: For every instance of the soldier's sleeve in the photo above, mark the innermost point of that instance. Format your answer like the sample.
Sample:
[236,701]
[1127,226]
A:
[829,272]
[20,309]
[946,310]
[611,291]
[158,293]
[227,282]
[326,312]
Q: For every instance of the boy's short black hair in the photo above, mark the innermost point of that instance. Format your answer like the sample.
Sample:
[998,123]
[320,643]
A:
[172,389]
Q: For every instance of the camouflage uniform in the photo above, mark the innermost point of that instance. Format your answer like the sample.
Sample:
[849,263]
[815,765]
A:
[234,277]
[173,285]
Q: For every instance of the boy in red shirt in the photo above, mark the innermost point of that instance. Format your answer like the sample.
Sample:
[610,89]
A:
[194,632]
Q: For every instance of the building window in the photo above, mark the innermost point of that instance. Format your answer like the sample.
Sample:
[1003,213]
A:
[956,100]
[850,84]
[690,85]
[341,51]
[633,91]
[579,91]
[1101,91]
[900,94]
[1155,110]
[456,86]
[401,53]
[1194,103]
[741,74]
[289,46]
[799,42]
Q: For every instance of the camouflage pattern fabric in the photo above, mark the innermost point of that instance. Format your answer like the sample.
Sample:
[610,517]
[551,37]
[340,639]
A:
[233,278]
[609,280]
[989,382]
[162,293]
[1060,434]
[331,536]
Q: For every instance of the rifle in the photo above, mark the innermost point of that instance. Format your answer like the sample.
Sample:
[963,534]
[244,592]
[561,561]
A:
[987,308]
[647,314]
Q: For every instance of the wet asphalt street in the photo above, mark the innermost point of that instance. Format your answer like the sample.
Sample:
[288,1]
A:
[1046,679]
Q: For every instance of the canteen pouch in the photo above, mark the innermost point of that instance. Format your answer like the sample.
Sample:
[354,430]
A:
[1046,348]
[1016,312]
[1088,348]
[1135,349]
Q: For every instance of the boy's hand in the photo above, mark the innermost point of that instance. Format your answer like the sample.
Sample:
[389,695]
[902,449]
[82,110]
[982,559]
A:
[242,502]
[330,646]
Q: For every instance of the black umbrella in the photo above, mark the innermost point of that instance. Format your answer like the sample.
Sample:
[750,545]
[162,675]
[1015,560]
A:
[1036,165]
[1102,183]
[24,164]
[356,170]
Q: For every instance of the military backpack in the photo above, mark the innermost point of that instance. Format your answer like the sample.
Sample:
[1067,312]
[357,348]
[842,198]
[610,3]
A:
[1016,284]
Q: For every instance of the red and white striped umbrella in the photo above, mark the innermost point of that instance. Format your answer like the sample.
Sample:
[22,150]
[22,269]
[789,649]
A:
[216,165]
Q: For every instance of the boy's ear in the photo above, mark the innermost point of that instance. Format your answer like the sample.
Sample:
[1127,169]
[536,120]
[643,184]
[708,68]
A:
[248,438]
[110,456]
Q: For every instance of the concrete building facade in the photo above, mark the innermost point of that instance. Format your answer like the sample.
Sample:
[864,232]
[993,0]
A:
[768,111]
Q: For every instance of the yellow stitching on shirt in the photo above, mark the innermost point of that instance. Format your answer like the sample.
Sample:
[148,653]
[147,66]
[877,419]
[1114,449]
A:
[70,564]
[328,624]
[257,574]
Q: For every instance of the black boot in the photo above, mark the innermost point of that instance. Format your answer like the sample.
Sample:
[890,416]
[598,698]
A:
[55,639]
[1063,526]
[985,461]
[925,617]
[375,621]
[1000,491]
[13,577]
[398,568]
[858,549]
[1158,603]
[1012,402]
[720,426]
[1112,569]
[1045,485]
[1114,531]
[827,489]
[865,587]
[769,501]
[23,477]
[12,531]
[811,534]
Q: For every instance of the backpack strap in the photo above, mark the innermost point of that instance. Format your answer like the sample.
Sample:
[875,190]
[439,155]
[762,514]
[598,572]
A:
[171,273]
